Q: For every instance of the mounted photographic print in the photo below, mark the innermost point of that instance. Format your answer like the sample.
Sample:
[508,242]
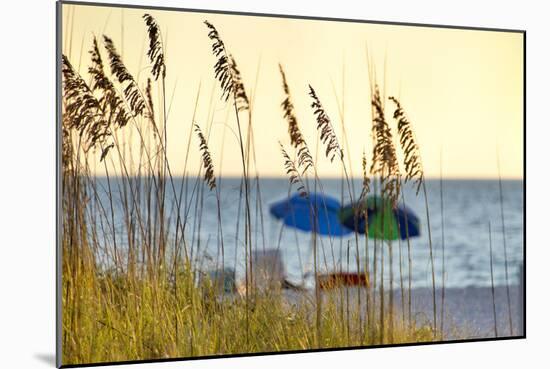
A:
[240,184]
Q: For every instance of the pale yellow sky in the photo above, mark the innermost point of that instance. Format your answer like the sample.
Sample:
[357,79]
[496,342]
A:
[462,89]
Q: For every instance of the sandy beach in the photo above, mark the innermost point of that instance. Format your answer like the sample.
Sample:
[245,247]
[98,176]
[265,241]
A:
[468,311]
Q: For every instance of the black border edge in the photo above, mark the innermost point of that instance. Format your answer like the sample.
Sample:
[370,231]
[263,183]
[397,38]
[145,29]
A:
[524,284]
[59,22]
[58,222]
[288,16]
[311,351]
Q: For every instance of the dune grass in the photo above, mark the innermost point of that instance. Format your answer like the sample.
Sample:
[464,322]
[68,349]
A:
[113,318]
[149,298]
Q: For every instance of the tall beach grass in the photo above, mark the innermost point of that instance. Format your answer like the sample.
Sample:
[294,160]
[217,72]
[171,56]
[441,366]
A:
[135,288]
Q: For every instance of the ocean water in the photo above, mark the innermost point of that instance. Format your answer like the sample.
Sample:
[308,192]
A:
[469,207]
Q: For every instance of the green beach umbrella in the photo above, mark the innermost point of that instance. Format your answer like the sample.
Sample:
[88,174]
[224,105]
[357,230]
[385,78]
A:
[385,221]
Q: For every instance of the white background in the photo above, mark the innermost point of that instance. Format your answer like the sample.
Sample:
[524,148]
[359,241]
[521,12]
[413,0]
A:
[27,182]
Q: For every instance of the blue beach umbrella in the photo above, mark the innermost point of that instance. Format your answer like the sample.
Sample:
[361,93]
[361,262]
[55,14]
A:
[385,221]
[313,213]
